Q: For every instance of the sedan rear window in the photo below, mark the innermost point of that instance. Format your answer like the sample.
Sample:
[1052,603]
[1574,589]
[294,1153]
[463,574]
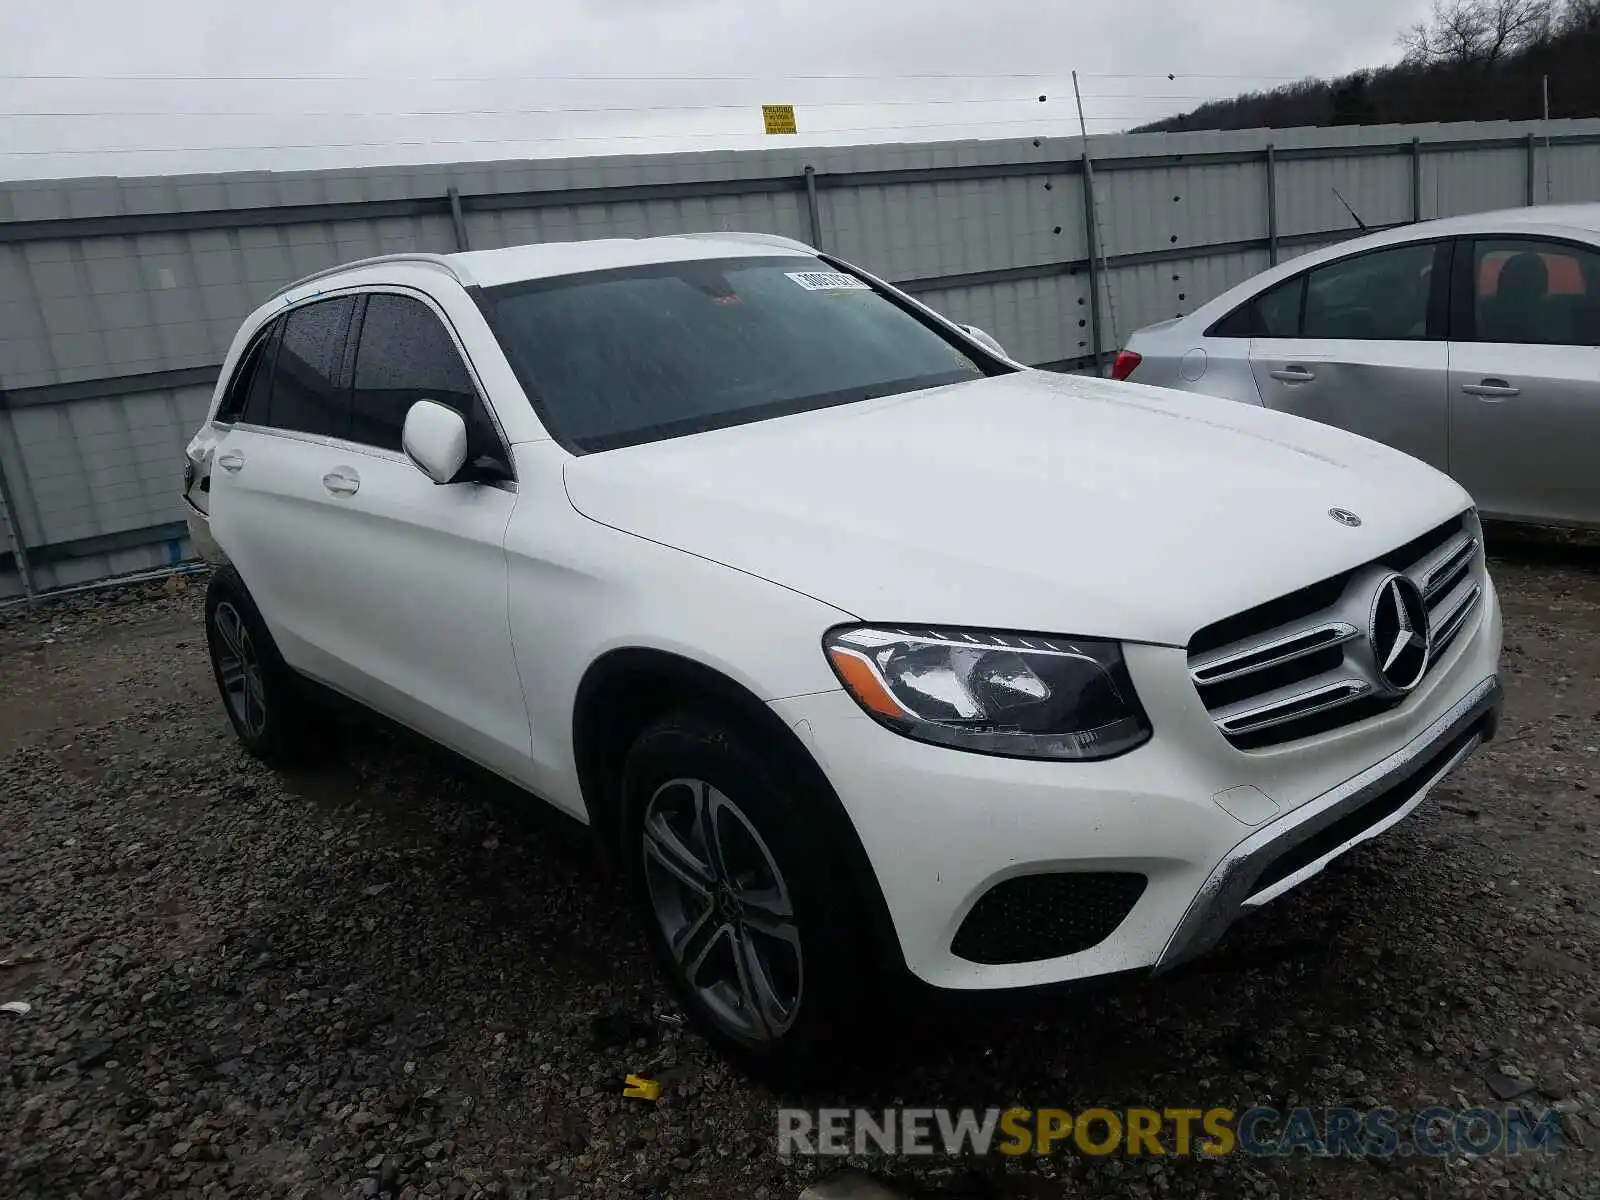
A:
[614,358]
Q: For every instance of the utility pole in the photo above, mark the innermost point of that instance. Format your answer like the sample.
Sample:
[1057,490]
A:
[1547,192]
[1097,240]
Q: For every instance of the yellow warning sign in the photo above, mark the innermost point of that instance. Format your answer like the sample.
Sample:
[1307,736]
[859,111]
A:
[778,118]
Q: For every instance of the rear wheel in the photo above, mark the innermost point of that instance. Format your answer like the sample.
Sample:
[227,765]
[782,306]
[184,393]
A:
[750,923]
[268,705]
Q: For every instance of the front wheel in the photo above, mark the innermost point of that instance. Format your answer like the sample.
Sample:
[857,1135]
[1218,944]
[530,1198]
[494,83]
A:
[751,925]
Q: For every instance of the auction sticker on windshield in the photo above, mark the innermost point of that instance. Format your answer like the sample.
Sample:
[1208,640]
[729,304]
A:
[827,281]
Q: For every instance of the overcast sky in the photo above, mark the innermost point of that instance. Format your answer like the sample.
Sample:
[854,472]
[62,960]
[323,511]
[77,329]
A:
[305,83]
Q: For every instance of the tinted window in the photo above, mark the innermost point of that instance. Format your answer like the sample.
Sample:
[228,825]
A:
[258,400]
[406,355]
[239,386]
[1273,313]
[1381,296]
[307,392]
[1277,312]
[617,357]
[1536,292]
[1235,324]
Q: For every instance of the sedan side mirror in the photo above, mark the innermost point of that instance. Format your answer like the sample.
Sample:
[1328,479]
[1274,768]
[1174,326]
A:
[984,340]
[435,439]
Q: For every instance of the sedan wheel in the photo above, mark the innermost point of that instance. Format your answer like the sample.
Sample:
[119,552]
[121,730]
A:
[723,909]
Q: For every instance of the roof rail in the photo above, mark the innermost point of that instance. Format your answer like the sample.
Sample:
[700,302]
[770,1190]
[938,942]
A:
[759,239]
[436,260]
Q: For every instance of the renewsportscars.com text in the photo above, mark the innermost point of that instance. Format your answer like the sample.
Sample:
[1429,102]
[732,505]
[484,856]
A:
[1178,1132]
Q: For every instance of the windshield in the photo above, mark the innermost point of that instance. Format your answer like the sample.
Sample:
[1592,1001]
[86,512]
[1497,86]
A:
[614,358]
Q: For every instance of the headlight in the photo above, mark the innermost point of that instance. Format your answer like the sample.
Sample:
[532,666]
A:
[1020,695]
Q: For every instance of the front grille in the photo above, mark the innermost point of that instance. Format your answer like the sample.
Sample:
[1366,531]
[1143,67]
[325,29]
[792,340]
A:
[1034,917]
[1303,664]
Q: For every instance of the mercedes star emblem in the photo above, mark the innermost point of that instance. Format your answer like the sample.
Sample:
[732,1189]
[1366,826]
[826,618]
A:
[1399,633]
[1344,516]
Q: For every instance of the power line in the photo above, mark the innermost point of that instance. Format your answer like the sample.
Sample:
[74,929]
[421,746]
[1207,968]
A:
[1175,75]
[952,127]
[1155,96]
[64,114]
[509,112]
[178,77]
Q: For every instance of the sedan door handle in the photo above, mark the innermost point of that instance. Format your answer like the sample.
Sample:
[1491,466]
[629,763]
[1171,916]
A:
[231,461]
[342,481]
[1294,374]
[1491,387]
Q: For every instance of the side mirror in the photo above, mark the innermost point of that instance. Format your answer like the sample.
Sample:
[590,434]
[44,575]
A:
[984,340]
[435,439]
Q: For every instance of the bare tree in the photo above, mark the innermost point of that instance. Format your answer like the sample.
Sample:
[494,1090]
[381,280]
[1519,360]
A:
[1581,15]
[1477,33]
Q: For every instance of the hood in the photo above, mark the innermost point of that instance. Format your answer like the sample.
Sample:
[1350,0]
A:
[1032,501]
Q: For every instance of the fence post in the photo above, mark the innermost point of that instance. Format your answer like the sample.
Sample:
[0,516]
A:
[1416,179]
[457,219]
[1093,243]
[1272,205]
[19,549]
[813,212]
[1533,149]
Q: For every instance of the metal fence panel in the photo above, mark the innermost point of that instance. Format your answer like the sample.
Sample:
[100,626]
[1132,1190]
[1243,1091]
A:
[953,227]
[1573,174]
[1044,319]
[1180,205]
[780,213]
[1148,292]
[119,297]
[1378,188]
[1456,182]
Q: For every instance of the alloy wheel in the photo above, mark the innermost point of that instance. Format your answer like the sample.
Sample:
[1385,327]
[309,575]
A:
[239,670]
[724,909]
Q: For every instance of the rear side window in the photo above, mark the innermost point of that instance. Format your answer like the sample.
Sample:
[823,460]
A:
[1273,313]
[258,397]
[1535,293]
[1385,295]
[244,376]
[1276,314]
[1382,296]
[405,355]
[308,394]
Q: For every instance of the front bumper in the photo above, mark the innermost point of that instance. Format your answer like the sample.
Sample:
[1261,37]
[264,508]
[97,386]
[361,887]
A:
[1213,830]
[1286,853]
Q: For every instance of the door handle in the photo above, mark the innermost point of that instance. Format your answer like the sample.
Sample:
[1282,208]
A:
[1294,374]
[231,461]
[342,481]
[1491,387]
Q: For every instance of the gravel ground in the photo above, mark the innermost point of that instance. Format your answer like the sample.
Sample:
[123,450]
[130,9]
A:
[390,977]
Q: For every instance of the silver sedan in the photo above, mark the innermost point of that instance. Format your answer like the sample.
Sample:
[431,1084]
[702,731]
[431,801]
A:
[1472,343]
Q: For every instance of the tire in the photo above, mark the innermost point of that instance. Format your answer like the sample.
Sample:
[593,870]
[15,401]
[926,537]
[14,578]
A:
[270,708]
[742,902]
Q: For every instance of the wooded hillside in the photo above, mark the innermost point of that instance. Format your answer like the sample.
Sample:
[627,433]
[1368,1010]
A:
[1473,60]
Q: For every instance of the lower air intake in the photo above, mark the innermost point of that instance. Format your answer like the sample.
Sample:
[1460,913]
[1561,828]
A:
[1035,917]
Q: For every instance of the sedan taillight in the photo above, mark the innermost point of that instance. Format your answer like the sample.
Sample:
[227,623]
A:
[1126,362]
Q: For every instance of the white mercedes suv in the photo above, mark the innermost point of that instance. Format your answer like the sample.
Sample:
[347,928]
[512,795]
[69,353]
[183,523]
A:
[867,652]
